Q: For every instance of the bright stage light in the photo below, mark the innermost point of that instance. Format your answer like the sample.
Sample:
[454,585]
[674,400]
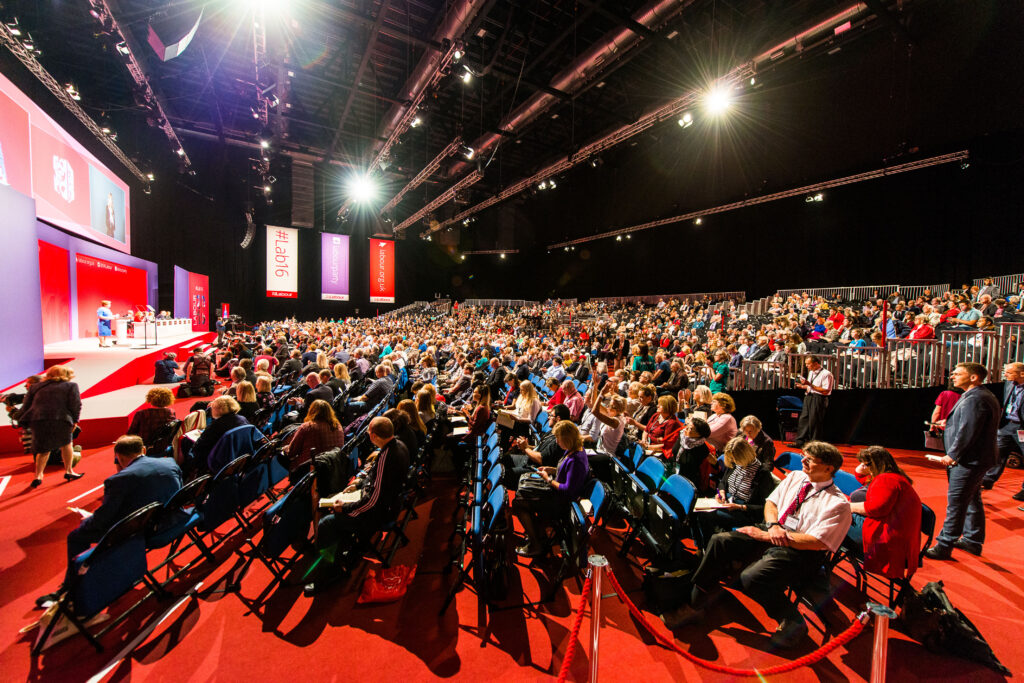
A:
[265,144]
[718,100]
[467,75]
[416,122]
[686,120]
[362,189]
[502,254]
[698,221]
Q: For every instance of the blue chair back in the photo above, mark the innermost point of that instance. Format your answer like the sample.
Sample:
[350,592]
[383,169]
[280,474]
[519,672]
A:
[651,472]
[846,482]
[542,419]
[496,504]
[492,441]
[794,403]
[288,520]
[491,430]
[222,497]
[681,490]
[598,497]
[789,461]
[494,476]
[635,455]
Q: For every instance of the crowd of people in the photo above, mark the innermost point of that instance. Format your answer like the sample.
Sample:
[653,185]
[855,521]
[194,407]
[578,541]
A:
[652,375]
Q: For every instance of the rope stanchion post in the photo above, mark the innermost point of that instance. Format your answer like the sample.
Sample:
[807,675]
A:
[598,564]
[880,651]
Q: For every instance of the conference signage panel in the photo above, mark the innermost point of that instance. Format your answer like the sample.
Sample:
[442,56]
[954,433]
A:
[72,189]
[199,301]
[98,279]
[282,262]
[333,267]
[382,271]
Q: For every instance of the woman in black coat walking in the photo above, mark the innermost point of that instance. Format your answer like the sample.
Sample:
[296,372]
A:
[51,410]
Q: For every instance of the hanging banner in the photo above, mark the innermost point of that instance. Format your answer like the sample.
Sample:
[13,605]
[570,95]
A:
[333,267]
[382,271]
[199,303]
[282,262]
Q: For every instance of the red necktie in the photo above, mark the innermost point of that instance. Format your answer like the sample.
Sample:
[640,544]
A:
[795,505]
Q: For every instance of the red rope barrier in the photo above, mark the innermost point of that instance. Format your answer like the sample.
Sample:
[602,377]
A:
[570,651]
[846,636]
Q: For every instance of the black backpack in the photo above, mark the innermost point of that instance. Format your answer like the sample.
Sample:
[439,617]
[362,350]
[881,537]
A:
[931,619]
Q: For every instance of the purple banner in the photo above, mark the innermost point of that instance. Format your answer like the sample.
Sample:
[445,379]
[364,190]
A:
[334,267]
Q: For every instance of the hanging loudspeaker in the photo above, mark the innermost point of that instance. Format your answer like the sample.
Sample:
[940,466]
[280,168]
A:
[250,231]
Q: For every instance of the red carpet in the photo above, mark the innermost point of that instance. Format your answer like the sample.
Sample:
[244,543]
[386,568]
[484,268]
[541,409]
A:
[331,637]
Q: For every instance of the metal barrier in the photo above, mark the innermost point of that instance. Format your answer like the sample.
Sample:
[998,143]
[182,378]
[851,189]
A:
[1007,283]
[1011,342]
[504,303]
[915,364]
[860,293]
[654,298]
[762,375]
[859,368]
[971,346]
[911,292]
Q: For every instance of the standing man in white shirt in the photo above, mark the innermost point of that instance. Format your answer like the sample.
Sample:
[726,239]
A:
[818,386]
[804,517]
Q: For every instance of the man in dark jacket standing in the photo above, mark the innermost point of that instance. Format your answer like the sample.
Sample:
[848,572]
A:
[970,439]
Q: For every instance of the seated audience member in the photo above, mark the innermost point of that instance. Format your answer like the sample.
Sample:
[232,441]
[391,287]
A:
[556,371]
[720,371]
[139,481]
[613,423]
[478,416]
[694,457]
[198,369]
[643,411]
[677,379]
[291,366]
[403,429]
[319,432]
[557,395]
[224,411]
[245,394]
[325,380]
[721,421]
[148,421]
[340,380]
[891,511]
[165,370]
[419,428]
[538,506]
[804,517]
[527,408]
[742,491]
[264,391]
[237,375]
[378,389]
[349,525]
[762,443]
[265,355]
[247,366]
[699,402]
[425,406]
[316,391]
[573,400]
[547,453]
[661,433]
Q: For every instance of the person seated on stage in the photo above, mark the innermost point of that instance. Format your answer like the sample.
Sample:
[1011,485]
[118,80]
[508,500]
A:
[148,421]
[805,517]
[139,481]
[721,421]
[165,370]
[539,506]
[742,492]
[762,443]
[349,525]
[889,516]
[224,411]
[319,432]
[245,394]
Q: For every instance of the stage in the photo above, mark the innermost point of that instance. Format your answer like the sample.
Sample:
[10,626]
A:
[113,382]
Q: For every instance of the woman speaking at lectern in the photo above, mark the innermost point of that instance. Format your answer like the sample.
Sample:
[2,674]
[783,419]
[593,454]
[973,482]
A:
[105,318]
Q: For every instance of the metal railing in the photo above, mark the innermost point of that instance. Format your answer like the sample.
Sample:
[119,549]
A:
[1007,283]
[859,293]
[501,303]
[654,298]
[915,363]
[911,292]
[1011,344]
[971,346]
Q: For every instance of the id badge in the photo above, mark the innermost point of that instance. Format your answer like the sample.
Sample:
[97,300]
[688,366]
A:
[790,523]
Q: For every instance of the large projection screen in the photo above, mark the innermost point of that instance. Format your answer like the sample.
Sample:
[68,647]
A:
[72,189]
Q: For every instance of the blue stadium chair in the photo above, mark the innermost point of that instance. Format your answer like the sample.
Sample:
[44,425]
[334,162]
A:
[666,522]
[621,469]
[647,479]
[243,440]
[103,573]
[846,482]
[178,516]
[789,461]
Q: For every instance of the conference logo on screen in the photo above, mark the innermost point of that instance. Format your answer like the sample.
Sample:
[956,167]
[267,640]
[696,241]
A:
[63,179]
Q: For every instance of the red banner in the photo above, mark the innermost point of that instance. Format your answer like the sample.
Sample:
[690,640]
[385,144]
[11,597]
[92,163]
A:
[199,301]
[382,271]
[98,279]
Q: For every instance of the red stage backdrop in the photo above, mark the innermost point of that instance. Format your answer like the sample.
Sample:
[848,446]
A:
[382,271]
[55,292]
[199,301]
[98,279]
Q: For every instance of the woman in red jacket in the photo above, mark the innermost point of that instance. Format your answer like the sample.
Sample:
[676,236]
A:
[892,512]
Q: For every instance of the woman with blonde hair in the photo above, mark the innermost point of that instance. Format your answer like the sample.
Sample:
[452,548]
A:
[742,492]
[319,432]
[245,394]
[264,391]
[340,380]
[51,409]
[425,405]
[408,406]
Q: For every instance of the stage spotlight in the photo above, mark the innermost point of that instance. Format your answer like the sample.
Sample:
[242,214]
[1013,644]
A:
[266,189]
[686,120]
[628,236]
[618,238]
[698,221]
[181,152]
[265,144]
[462,258]
[552,184]
[362,188]
[123,48]
[819,197]
[572,248]
[13,28]
[457,55]
[718,100]
[105,130]
[543,185]
[468,152]
[595,162]
[567,248]
[416,122]
[467,75]
[150,176]
[753,80]
[72,91]
[255,114]
[502,254]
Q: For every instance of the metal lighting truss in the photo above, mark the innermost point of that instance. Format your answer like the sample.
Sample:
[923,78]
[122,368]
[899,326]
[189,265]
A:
[427,171]
[109,23]
[962,155]
[441,199]
[823,30]
[29,61]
